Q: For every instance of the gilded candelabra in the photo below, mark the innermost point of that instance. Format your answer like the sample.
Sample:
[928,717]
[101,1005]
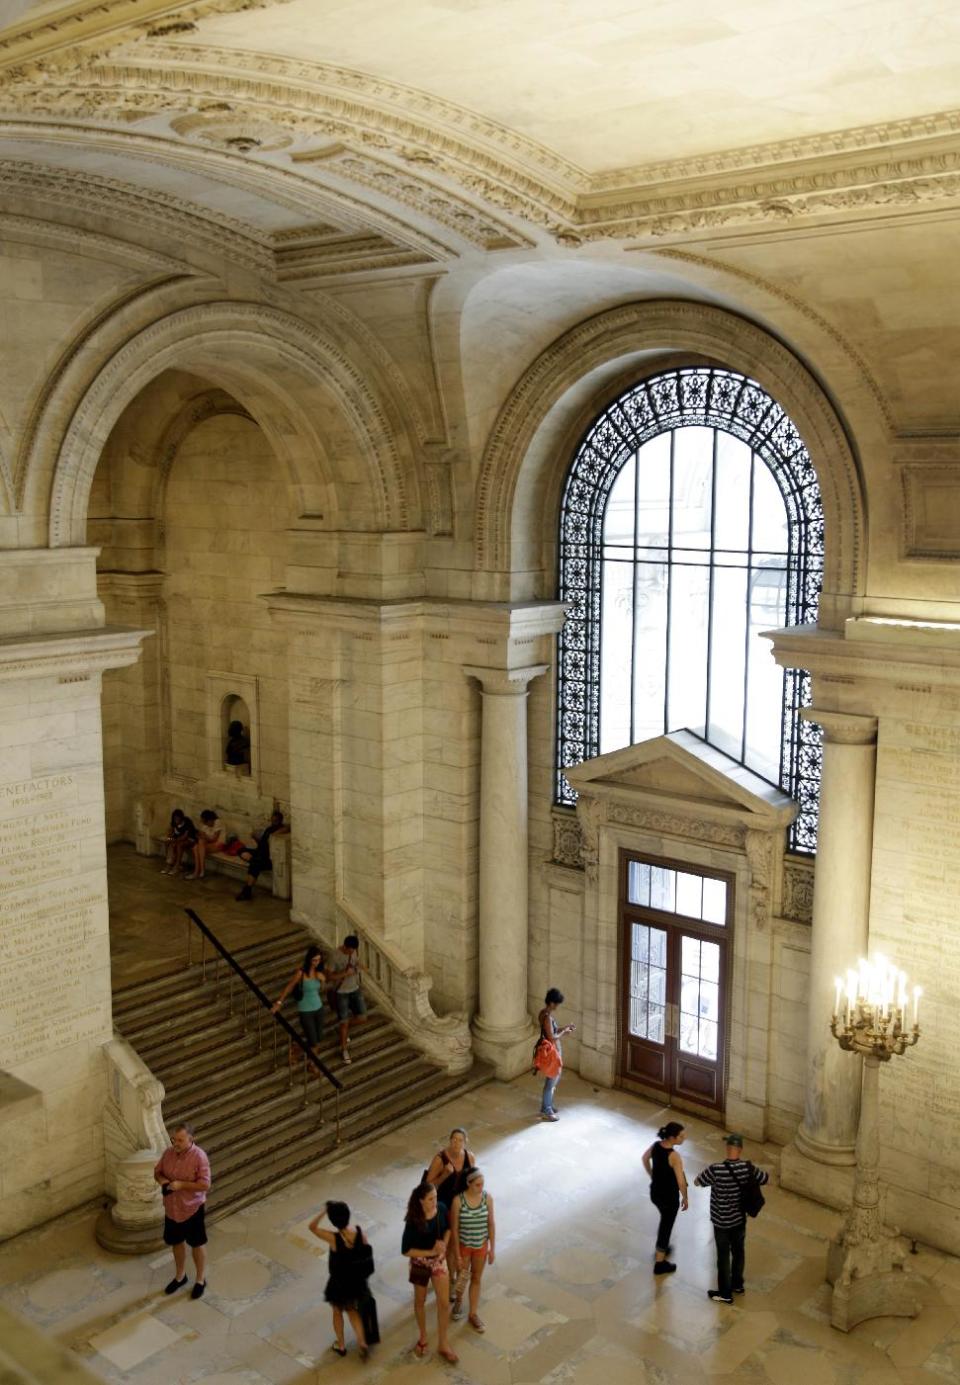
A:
[865,1263]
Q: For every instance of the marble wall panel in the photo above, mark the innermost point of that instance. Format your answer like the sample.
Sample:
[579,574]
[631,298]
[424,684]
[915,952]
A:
[55,1008]
[916,878]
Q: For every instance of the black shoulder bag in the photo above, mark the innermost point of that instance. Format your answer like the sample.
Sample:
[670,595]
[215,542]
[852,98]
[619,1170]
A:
[751,1198]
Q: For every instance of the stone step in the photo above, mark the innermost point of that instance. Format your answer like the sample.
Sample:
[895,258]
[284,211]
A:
[190,1076]
[237,1122]
[233,1153]
[249,1115]
[231,1102]
[262,960]
[318,1146]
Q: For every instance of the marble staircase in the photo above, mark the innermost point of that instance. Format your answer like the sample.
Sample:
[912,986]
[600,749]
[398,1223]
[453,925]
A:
[248,1114]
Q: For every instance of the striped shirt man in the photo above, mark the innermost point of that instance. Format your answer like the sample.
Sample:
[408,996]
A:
[725,1181]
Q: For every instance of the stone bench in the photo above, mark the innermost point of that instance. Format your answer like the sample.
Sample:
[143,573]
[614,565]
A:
[278,877]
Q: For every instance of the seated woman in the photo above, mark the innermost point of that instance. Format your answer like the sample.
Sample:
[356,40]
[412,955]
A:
[210,839]
[181,836]
[258,857]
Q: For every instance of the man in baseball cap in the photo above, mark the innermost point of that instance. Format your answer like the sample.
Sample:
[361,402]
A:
[727,1181]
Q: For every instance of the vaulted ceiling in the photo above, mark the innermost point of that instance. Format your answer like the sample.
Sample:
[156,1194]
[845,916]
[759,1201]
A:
[340,140]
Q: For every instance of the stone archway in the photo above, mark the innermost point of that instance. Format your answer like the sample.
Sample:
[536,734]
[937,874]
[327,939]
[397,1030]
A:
[526,456]
[335,426]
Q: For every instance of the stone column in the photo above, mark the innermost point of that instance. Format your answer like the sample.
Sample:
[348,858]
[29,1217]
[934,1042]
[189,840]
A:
[503,1031]
[841,909]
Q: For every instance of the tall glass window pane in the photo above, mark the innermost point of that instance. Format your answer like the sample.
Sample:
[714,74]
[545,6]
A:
[691,522]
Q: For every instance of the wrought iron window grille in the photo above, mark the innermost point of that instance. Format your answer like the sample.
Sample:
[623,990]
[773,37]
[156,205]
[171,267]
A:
[726,402]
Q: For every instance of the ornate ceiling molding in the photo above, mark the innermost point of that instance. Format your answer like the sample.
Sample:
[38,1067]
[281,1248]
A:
[179,221]
[93,26]
[307,257]
[391,131]
[473,223]
[78,240]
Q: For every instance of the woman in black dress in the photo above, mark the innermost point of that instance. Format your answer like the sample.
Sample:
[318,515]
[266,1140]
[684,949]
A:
[668,1187]
[349,1262]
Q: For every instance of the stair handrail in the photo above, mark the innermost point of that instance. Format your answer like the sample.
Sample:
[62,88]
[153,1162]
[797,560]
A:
[267,1004]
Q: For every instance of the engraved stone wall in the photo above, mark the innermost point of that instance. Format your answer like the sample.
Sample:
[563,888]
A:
[55,1008]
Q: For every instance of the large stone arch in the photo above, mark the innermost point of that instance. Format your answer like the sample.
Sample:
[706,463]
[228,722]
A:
[330,420]
[529,447]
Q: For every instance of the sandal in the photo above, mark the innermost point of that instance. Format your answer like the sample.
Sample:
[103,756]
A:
[421,1348]
[448,1355]
[477,1323]
[341,1351]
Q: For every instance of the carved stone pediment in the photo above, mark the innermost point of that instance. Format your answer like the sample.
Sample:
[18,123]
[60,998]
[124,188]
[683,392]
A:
[680,772]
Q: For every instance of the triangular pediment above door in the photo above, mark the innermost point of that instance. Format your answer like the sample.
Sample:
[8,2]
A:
[683,770]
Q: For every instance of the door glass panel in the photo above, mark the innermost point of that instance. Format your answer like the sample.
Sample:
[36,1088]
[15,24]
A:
[648,982]
[677,892]
[689,895]
[663,889]
[638,883]
[714,900]
[699,996]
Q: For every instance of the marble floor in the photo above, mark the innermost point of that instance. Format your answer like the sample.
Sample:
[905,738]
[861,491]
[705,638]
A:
[148,926]
[570,1301]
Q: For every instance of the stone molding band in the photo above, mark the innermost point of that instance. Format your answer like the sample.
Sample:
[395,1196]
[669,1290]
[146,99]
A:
[843,728]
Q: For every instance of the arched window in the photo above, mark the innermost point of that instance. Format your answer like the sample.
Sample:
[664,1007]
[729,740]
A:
[691,522]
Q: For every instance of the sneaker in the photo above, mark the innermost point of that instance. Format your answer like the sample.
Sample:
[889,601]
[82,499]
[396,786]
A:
[664,1267]
[345,1056]
[739,1289]
[197,1290]
[717,1297]
[174,1285]
[549,1116]
[456,1308]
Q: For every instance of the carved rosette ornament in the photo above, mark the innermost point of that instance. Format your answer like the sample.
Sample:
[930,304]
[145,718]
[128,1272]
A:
[567,840]
[797,902]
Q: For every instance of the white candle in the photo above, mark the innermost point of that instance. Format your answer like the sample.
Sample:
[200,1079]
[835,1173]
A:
[917,993]
[836,1003]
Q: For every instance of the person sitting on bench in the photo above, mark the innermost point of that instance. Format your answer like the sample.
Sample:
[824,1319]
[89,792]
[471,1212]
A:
[258,857]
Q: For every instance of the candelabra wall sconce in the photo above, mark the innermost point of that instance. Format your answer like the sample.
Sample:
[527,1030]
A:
[875,1017]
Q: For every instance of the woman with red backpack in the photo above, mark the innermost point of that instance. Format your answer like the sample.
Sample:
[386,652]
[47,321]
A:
[548,1055]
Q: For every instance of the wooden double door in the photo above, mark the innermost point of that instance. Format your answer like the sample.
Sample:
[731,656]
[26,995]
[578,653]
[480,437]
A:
[675,926]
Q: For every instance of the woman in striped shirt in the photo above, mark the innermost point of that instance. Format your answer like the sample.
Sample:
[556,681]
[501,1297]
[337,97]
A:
[473,1233]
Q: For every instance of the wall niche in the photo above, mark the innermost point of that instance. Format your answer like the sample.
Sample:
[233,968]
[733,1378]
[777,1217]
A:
[233,731]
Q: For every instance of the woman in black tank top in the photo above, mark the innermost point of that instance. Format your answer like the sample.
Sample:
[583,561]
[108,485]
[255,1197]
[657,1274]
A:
[668,1187]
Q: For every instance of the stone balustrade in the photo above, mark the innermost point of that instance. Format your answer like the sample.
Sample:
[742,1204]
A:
[134,1138]
[404,993]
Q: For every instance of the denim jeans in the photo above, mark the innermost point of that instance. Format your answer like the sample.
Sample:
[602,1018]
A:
[730,1256]
[549,1087]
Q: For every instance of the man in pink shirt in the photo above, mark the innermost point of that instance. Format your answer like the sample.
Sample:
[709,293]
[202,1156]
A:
[183,1173]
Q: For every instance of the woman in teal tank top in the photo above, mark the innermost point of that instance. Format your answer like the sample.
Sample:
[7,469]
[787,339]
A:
[472,1239]
[307,984]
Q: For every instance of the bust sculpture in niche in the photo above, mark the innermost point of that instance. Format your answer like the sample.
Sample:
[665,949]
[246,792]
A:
[236,753]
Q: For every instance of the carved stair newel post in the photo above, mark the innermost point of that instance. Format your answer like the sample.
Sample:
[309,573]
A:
[503,1031]
[841,907]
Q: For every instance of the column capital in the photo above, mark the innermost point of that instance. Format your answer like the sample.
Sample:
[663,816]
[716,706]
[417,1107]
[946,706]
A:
[505,682]
[843,728]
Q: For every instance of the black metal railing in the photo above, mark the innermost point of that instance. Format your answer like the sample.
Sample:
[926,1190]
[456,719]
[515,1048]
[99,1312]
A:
[261,1006]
